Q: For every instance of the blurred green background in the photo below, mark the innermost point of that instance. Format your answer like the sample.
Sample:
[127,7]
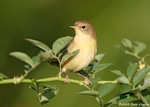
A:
[47,20]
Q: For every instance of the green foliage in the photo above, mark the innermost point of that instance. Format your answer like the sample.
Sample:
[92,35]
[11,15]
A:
[35,59]
[131,70]
[60,44]
[128,99]
[134,84]
[117,72]
[137,79]
[39,44]
[147,98]
[101,67]
[127,43]
[23,57]
[140,75]
[123,79]
[90,93]
[146,83]
[99,57]
[106,88]
[96,66]
[45,93]
[139,47]
[3,76]
[133,50]
[126,88]
[103,90]
[69,55]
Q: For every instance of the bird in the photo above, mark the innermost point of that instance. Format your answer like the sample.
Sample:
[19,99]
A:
[85,40]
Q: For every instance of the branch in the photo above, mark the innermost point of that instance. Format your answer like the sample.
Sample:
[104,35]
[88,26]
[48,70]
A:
[16,80]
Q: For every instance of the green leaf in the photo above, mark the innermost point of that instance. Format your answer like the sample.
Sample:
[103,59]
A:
[99,57]
[27,68]
[90,93]
[127,100]
[127,43]
[46,95]
[60,44]
[95,80]
[139,47]
[126,88]
[131,70]
[69,55]
[36,59]
[123,79]
[140,75]
[146,83]
[113,101]
[147,97]
[117,72]
[3,76]
[44,55]
[101,67]
[39,45]
[106,88]
[33,88]
[23,57]
[52,87]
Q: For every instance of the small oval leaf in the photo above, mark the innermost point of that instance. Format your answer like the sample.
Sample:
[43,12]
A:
[123,79]
[69,55]
[90,93]
[127,43]
[3,76]
[146,83]
[39,45]
[101,67]
[140,75]
[139,47]
[99,57]
[147,98]
[44,55]
[23,57]
[60,44]
[127,100]
[117,72]
[46,95]
[36,59]
[106,88]
[126,88]
[131,70]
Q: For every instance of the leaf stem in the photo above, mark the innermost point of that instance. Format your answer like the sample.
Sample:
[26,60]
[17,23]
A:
[133,54]
[143,99]
[100,101]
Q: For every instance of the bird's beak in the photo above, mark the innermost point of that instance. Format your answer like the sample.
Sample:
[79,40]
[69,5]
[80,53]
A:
[72,26]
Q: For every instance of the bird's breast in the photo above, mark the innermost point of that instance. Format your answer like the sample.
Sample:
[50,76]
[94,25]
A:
[87,51]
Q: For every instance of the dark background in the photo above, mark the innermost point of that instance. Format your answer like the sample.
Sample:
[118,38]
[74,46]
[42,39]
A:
[47,20]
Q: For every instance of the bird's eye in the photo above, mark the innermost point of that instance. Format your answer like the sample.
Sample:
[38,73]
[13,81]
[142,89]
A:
[83,27]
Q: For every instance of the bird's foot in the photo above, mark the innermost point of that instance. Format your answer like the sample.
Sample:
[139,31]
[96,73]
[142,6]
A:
[64,74]
[66,79]
[87,81]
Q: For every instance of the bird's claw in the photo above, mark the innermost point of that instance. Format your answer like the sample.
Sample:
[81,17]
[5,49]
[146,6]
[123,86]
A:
[66,79]
[87,81]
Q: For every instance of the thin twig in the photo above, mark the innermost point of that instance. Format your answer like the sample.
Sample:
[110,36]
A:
[143,99]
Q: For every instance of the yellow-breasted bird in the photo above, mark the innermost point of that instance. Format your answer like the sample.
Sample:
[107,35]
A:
[85,41]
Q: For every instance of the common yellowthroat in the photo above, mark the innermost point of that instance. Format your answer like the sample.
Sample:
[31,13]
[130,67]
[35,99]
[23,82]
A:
[85,41]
